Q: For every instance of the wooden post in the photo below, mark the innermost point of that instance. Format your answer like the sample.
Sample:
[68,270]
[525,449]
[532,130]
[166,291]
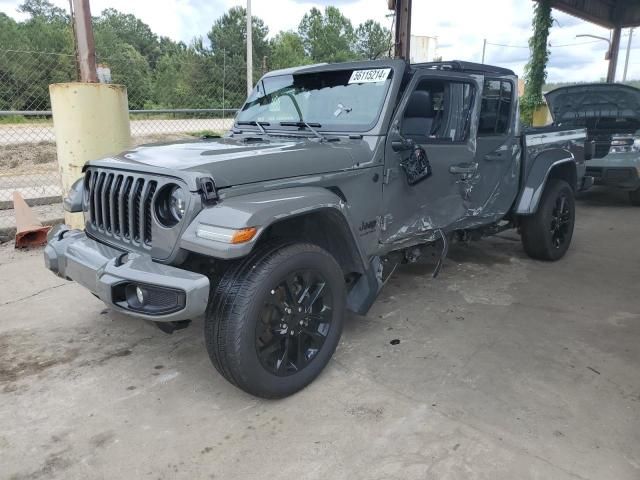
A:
[86,49]
[403,29]
[613,55]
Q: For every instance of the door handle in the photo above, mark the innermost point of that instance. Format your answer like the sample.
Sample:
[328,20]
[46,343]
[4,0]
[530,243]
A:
[463,168]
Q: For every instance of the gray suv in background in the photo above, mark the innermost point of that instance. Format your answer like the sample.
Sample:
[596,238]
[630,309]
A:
[611,115]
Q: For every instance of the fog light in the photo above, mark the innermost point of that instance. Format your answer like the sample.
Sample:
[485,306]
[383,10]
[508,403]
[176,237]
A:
[148,299]
[140,295]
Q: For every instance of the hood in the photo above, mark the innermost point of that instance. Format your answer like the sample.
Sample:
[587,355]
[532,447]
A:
[238,160]
[599,106]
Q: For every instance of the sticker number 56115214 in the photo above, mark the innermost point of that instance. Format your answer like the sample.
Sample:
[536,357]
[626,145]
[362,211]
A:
[370,76]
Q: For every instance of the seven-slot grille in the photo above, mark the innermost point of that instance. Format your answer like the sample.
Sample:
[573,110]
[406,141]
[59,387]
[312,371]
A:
[119,205]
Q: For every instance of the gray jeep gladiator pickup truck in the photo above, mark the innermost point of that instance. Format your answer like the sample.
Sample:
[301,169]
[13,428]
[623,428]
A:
[331,176]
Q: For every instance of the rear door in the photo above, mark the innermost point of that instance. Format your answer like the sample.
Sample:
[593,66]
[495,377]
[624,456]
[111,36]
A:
[436,115]
[493,187]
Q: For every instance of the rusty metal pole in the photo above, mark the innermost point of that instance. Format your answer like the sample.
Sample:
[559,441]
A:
[84,40]
[403,29]
[626,61]
[613,55]
[249,49]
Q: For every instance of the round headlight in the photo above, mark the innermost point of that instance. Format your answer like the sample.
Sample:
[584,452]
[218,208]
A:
[177,203]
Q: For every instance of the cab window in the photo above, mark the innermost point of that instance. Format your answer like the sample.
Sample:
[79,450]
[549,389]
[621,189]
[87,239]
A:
[438,111]
[495,112]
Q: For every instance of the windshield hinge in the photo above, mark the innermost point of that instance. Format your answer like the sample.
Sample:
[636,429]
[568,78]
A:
[384,221]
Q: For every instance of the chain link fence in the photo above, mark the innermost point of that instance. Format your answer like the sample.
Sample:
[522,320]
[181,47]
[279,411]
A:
[181,97]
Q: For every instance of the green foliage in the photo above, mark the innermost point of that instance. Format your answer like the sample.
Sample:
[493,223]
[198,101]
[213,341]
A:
[229,33]
[127,29]
[44,10]
[129,67]
[373,40]
[327,37]
[287,50]
[535,72]
[162,73]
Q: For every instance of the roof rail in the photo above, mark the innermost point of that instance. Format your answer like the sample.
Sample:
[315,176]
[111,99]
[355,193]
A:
[460,66]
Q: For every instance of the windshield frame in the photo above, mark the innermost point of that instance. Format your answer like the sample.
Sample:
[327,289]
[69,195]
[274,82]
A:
[379,124]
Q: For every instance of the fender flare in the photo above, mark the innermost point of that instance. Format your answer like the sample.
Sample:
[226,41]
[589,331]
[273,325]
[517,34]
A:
[262,210]
[536,181]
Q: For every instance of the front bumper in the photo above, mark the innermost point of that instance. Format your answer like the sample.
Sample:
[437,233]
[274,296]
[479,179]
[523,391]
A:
[621,177]
[105,271]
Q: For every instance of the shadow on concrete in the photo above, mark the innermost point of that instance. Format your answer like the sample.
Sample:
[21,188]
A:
[604,197]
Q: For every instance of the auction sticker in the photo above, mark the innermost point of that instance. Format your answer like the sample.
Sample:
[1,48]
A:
[370,76]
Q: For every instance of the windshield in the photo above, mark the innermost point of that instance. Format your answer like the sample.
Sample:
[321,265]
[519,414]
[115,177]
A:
[342,100]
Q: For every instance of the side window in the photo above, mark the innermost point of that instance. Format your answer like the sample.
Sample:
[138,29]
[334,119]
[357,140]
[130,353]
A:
[495,113]
[438,111]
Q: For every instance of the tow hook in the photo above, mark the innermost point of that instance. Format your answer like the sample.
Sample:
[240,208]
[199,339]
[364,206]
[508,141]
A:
[170,327]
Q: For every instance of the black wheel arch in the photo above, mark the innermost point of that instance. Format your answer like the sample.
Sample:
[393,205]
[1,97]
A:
[324,227]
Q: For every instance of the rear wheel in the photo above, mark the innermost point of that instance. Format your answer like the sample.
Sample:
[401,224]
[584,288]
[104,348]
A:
[634,197]
[547,234]
[275,320]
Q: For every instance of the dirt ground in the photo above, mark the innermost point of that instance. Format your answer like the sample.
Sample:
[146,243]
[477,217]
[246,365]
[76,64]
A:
[37,157]
[501,368]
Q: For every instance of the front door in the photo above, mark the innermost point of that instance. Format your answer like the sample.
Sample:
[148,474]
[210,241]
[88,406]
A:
[435,120]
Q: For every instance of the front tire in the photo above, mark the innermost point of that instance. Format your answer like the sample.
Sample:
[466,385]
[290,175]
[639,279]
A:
[275,319]
[547,234]
[634,197]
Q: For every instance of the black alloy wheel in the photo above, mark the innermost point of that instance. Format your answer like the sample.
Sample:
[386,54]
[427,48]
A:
[294,322]
[560,221]
[275,318]
[547,234]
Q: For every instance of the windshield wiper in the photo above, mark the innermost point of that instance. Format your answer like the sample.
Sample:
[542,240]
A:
[257,124]
[302,124]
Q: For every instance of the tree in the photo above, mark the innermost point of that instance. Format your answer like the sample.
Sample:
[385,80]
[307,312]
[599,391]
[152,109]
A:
[373,40]
[535,72]
[126,28]
[327,37]
[229,33]
[43,9]
[287,50]
[130,68]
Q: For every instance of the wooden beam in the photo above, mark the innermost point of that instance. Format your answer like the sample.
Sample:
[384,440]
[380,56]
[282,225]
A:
[613,55]
[403,29]
[84,41]
[606,13]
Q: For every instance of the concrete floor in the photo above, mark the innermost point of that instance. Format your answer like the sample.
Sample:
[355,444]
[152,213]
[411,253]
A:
[506,369]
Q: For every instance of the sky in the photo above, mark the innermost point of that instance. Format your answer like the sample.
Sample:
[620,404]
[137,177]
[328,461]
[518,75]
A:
[460,26]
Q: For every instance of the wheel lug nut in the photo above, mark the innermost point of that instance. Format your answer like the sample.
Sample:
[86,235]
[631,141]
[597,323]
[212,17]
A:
[299,309]
[291,332]
[301,322]
[273,292]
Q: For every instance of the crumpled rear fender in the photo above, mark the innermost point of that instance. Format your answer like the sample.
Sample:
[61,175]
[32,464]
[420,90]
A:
[555,160]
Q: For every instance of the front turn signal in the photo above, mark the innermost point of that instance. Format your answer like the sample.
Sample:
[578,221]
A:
[226,235]
[244,235]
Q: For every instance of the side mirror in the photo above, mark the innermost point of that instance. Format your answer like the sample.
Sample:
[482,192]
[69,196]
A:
[417,166]
[402,145]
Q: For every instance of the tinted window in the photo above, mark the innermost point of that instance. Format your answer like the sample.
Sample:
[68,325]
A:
[495,113]
[438,111]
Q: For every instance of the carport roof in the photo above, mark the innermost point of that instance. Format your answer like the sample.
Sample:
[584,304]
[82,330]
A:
[606,13]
